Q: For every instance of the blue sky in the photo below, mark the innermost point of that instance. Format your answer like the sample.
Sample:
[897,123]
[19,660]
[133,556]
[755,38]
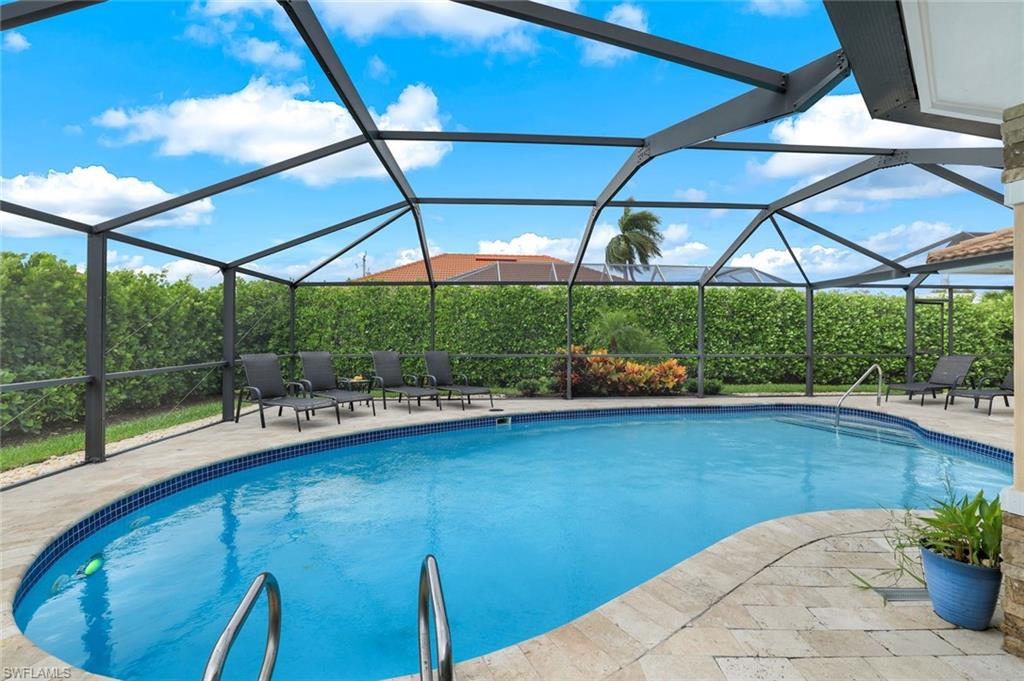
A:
[114,107]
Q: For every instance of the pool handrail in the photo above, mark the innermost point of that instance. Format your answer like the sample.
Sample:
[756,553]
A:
[219,654]
[878,395]
[431,594]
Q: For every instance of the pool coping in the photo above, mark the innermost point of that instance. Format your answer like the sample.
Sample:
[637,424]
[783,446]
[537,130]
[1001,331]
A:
[29,571]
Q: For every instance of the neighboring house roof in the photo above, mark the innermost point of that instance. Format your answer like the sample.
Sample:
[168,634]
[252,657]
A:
[448,266]
[1000,241]
[545,269]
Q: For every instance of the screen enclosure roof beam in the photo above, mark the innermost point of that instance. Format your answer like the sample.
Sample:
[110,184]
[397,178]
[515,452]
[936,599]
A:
[232,183]
[317,234]
[313,34]
[22,12]
[636,41]
[807,85]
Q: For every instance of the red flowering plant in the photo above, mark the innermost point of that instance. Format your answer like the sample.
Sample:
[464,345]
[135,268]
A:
[596,373]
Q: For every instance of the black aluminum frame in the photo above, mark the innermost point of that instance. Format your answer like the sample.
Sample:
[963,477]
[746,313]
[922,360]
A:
[774,95]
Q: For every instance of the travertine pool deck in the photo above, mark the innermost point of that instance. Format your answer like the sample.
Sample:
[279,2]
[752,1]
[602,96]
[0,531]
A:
[774,601]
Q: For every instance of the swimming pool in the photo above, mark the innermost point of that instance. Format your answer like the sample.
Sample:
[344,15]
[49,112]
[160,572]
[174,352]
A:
[533,524]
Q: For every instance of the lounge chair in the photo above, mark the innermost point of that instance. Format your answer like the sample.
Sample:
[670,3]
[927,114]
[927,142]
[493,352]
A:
[389,378]
[439,375]
[950,372]
[979,392]
[319,380]
[266,388]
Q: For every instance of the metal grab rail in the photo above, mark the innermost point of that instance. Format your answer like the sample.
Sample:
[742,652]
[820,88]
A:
[432,594]
[878,395]
[219,655]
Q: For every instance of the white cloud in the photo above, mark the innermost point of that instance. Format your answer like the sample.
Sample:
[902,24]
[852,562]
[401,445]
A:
[844,120]
[90,195]
[603,54]
[691,194]
[265,53]
[817,260]
[377,69]
[15,42]
[264,123]
[459,24]
[777,8]
[902,239]
[689,253]
[414,254]
[175,270]
[531,243]
[830,261]
[676,232]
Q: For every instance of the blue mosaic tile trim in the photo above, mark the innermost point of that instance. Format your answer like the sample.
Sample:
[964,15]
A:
[148,495]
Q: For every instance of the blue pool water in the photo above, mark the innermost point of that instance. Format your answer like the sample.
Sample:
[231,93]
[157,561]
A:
[533,525]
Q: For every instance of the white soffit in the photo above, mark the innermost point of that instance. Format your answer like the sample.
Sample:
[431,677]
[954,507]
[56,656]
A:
[967,57]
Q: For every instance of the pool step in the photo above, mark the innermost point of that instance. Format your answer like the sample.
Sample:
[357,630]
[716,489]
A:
[854,427]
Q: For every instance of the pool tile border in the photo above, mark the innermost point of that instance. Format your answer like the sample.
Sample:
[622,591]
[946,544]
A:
[147,495]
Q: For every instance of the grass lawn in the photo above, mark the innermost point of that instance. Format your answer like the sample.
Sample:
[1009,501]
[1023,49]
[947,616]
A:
[42,448]
[866,387]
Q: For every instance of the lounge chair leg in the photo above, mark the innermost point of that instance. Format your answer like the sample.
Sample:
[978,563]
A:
[307,414]
[437,398]
[238,410]
[409,404]
[385,396]
[351,406]
[990,406]
[419,402]
[462,402]
[469,398]
[922,397]
[373,406]
[337,411]
[1006,400]
[887,389]
[946,406]
[280,410]
[298,421]
[492,399]
[263,421]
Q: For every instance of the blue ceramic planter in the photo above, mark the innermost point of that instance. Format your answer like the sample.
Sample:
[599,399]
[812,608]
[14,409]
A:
[962,594]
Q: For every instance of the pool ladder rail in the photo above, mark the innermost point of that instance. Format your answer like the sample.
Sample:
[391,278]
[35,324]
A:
[863,377]
[219,655]
[431,594]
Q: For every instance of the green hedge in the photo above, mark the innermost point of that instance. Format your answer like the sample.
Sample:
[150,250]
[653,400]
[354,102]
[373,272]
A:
[156,323]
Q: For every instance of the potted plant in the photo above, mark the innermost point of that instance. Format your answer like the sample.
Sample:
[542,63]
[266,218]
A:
[959,544]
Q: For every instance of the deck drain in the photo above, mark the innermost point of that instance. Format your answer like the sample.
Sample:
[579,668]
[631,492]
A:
[503,421]
[892,594]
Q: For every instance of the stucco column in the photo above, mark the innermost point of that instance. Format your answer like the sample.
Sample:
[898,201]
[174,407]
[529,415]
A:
[1013,497]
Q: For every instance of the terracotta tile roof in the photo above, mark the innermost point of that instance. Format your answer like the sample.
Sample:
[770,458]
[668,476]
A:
[995,242]
[456,265]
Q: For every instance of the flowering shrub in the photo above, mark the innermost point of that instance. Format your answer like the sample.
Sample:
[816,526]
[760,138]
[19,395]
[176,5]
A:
[604,375]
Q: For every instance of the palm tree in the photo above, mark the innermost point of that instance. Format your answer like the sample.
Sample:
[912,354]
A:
[637,242]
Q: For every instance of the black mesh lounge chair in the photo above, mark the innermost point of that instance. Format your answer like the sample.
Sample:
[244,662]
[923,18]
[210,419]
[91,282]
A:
[389,378]
[950,372]
[439,375]
[266,388]
[979,392]
[319,380]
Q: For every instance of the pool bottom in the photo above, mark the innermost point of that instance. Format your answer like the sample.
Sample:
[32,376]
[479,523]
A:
[141,498]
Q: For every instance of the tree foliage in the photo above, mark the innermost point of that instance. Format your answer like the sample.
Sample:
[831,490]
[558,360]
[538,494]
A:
[154,322]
